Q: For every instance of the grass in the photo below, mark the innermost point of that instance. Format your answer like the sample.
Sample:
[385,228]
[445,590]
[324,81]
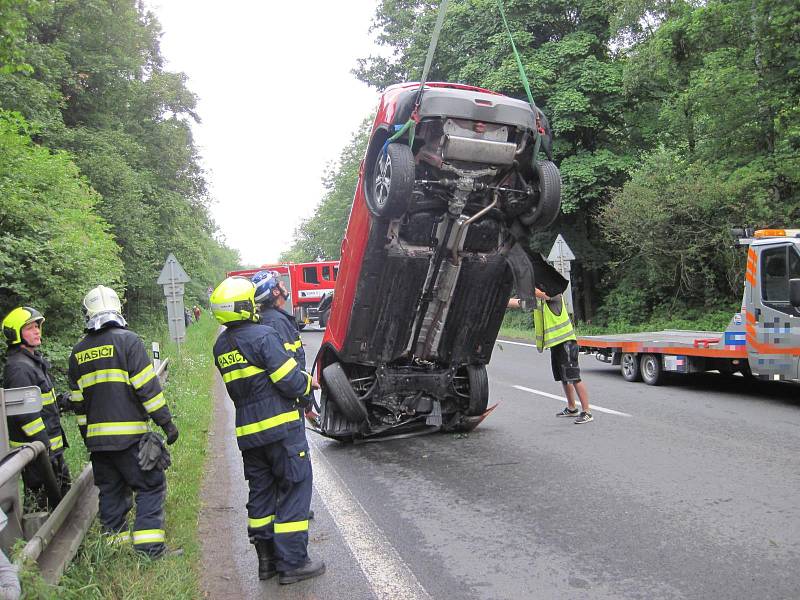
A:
[103,572]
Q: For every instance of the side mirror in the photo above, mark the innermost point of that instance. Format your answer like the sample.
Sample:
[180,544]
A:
[794,292]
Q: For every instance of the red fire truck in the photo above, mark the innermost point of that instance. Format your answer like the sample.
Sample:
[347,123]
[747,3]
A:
[308,283]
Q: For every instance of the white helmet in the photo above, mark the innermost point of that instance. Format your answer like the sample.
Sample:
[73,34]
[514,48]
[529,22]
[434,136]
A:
[101,306]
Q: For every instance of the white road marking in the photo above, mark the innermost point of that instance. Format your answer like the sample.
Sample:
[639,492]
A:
[555,397]
[387,573]
[515,343]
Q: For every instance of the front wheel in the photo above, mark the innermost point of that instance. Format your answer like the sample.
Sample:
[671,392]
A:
[343,394]
[630,367]
[652,370]
[478,390]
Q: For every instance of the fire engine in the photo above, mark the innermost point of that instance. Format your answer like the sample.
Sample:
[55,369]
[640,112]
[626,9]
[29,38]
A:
[308,283]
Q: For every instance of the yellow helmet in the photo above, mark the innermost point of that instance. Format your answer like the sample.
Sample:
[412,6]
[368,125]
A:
[16,320]
[234,300]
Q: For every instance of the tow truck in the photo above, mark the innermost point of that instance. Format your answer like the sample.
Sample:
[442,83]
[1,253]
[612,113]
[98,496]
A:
[308,285]
[762,339]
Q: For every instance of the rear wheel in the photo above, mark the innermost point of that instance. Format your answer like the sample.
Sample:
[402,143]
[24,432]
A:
[343,394]
[652,371]
[478,390]
[391,182]
[549,204]
[630,367]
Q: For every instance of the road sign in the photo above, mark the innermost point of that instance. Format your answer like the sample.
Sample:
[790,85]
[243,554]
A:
[173,277]
[560,257]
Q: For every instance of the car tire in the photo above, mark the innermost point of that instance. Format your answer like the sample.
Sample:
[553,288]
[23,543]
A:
[343,394]
[549,205]
[651,368]
[478,390]
[631,367]
[391,182]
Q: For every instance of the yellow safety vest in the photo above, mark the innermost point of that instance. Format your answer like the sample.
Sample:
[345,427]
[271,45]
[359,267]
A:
[551,329]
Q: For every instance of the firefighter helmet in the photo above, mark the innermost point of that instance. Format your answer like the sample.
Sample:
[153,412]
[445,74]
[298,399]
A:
[16,320]
[101,307]
[265,282]
[234,300]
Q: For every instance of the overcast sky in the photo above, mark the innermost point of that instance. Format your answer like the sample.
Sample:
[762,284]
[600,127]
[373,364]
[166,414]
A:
[277,101]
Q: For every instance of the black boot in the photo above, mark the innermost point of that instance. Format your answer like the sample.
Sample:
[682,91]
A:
[312,568]
[266,559]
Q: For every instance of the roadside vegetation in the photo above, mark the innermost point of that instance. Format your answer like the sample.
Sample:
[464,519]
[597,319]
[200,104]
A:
[102,572]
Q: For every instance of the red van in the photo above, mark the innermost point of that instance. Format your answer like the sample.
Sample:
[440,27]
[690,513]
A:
[436,238]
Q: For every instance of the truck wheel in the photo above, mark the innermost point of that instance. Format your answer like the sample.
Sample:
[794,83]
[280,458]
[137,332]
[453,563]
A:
[391,181]
[652,371]
[343,394]
[549,205]
[630,367]
[478,390]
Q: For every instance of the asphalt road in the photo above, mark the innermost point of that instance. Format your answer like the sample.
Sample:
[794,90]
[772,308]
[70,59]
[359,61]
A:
[689,490]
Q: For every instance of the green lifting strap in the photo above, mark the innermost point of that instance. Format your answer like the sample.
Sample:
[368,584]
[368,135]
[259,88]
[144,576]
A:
[524,79]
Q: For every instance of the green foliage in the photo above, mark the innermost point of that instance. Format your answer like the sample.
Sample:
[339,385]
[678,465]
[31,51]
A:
[53,244]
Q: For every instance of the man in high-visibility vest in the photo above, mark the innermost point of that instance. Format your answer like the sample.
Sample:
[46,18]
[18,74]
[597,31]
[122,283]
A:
[25,365]
[554,330]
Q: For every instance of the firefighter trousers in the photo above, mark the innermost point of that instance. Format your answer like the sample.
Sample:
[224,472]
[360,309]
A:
[119,478]
[280,480]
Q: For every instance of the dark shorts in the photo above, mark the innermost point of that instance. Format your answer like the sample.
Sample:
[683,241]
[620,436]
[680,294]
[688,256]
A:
[564,360]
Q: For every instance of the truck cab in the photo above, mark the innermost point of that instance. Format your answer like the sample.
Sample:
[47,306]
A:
[771,322]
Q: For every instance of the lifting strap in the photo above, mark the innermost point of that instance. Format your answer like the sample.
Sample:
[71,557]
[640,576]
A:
[525,84]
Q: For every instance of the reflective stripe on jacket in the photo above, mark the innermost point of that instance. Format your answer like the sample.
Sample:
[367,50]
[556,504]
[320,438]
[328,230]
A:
[22,369]
[114,389]
[263,380]
[552,329]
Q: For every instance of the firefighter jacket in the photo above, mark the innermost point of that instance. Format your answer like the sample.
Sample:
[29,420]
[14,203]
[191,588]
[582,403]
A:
[115,387]
[26,368]
[286,327]
[551,328]
[263,381]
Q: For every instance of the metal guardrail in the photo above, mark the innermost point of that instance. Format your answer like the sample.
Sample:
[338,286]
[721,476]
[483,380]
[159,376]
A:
[57,541]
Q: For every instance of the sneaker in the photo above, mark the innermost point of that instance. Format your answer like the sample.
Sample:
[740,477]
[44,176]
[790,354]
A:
[584,417]
[567,412]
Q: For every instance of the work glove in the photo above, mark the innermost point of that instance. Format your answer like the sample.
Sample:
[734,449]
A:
[170,431]
[152,452]
[64,402]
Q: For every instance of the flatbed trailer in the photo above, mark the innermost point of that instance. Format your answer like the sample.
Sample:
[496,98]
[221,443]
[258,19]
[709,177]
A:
[762,340]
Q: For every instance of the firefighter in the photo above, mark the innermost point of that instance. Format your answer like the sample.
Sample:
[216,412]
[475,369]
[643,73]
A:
[26,366]
[114,385]
[271,296]
[265,382]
